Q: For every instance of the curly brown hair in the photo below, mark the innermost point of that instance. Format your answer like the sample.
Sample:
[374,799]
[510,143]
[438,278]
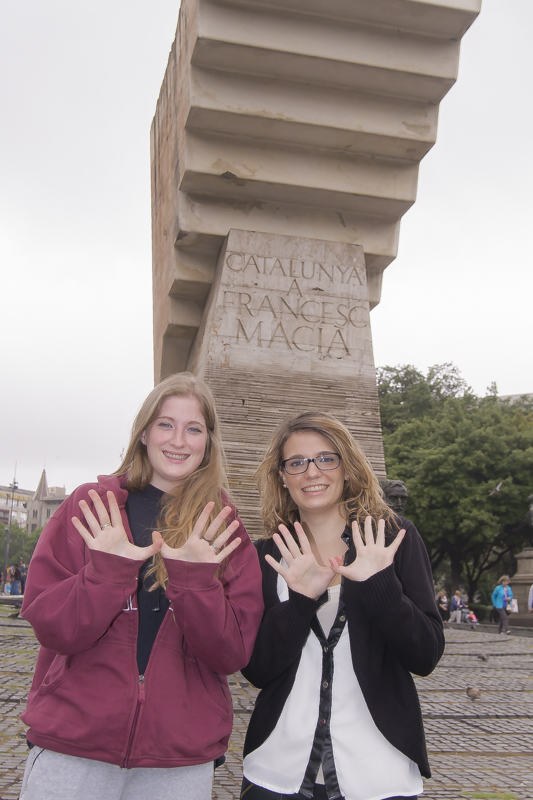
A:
[362,495]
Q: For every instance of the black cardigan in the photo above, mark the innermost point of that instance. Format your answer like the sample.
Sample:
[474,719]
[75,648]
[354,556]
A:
[394,628]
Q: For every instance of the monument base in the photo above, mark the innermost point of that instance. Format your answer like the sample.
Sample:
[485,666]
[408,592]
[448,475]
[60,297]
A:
[520,584]
[286,329]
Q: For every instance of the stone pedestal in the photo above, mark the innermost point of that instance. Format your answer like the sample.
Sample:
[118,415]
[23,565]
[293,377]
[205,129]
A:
[286,329]
[520,583]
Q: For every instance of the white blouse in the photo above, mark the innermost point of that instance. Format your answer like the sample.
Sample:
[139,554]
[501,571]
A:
[368,766]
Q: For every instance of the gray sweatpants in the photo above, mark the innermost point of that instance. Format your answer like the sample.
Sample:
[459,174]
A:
[54,776]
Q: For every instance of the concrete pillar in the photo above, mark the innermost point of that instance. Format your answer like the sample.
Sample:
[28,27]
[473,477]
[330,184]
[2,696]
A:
[520,583]
[300,118]
[286,329]
[305,122]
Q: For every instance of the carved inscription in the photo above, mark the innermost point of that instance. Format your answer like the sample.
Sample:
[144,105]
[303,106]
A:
[293,268]
[293,304]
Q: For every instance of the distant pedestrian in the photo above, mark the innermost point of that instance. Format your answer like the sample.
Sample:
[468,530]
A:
[530,599]
[23,576]
[442,605]
[15,582]
[457,606]
[501,600]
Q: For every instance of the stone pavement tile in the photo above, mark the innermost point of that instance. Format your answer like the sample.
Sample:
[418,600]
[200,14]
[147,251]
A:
[477,749]
[482,747]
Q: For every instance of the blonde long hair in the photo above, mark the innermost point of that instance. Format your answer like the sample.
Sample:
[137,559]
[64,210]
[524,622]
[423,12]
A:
[361,496]
[183,506]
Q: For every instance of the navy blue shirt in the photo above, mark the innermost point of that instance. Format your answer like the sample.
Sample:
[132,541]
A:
[143,510]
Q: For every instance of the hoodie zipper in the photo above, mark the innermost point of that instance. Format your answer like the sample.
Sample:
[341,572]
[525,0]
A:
[141,693]
[141,698]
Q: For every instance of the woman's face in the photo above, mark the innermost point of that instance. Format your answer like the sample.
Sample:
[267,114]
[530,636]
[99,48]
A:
[175,441]
[315,489]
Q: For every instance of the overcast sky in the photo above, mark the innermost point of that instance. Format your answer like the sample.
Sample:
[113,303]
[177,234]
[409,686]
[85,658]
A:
[79,86]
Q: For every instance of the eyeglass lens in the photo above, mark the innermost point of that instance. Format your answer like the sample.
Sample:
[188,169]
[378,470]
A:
[324,462]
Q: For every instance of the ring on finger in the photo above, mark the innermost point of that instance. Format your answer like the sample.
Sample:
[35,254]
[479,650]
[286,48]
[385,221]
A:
[215,546]
[209,541]
[107,525]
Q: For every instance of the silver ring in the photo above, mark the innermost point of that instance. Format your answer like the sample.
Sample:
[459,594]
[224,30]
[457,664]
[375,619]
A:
[206,540]
[215,547]
[107,525]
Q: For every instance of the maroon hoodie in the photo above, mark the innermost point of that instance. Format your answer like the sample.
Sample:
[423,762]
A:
[87,698]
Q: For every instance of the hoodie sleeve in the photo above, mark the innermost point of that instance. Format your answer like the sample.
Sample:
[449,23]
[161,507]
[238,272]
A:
[73,594]
[219,616]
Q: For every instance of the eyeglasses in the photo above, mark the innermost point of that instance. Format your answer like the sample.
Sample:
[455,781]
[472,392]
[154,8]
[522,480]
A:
[324,462]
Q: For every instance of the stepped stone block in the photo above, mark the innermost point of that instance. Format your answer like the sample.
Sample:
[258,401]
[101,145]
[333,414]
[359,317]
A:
[289,118]
[300,118]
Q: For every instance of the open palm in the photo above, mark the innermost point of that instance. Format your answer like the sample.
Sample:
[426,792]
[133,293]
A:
[107,533]
[372,554]
[303,573]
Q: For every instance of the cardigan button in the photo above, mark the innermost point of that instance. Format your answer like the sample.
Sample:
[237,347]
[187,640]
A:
[326,648]
[325,684]
[322,721]
[342,619]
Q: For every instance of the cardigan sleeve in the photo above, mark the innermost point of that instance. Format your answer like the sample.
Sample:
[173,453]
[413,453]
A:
[282,635]
[284,628]
[400,601]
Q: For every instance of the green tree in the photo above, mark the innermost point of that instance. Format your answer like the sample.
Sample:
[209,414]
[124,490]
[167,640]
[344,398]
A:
[454,450]
[405,393]
[21,544]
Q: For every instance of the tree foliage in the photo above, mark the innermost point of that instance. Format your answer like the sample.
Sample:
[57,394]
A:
[21,544]
[404,393]
[453,450]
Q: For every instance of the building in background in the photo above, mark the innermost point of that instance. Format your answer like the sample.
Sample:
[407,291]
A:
[21,498]
[43,503]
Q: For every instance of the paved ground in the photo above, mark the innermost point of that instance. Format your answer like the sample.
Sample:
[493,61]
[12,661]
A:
[478,750]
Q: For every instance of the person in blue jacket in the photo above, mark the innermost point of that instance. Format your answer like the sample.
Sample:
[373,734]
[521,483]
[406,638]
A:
[501,598]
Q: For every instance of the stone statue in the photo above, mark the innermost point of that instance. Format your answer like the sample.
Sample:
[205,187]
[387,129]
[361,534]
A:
[529,516]
[396,495]
[526,525]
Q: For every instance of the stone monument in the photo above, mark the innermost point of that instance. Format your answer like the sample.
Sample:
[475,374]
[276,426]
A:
[520,583]
[286,328]
[284,152]
[523,578]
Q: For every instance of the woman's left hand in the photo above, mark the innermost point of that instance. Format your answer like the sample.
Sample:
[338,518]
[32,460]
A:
[372,554]
[204,543]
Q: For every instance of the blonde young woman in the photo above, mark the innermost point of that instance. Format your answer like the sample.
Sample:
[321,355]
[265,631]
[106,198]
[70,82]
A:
[350,612]
[144,592]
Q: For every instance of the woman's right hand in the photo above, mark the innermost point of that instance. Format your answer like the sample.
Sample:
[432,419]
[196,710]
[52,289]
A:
[108,535]
[303,573]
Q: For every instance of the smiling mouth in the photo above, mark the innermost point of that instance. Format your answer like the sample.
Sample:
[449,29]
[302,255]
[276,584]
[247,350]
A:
[319,488]
[175,456]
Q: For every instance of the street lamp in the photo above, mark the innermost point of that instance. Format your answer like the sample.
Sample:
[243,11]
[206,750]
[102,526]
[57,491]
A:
[13,486]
